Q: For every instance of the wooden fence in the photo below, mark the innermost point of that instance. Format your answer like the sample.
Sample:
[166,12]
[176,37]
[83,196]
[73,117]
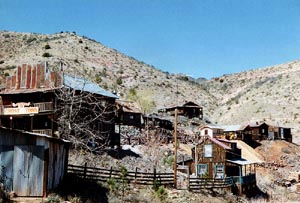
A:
[136,177]
[209,183]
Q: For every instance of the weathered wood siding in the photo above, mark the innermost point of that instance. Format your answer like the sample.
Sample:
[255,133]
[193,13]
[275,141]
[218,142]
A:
[218,156]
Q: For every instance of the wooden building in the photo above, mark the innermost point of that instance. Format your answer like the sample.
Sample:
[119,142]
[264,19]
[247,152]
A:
[233,132]
[32,164]
[188,109]
[256,131]
[219,159]
[157,121]
[279,133]
[29,101]
[128,113]
[213,131]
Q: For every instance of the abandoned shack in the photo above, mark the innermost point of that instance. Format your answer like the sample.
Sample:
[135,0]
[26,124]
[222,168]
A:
[219,159]
[188,109]
[128,113]
[279,133]
[256,131]
[31,101]
[32,164]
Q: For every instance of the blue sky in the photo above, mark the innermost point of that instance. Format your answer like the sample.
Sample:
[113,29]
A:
[201,38]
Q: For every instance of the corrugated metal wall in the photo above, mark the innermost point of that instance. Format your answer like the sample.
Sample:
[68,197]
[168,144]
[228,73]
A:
[33,164]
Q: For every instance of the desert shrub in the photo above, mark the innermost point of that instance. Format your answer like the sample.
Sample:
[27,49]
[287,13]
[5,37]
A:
[46,54]
[10,67]
[47,46]
[53,198]
[184,78]
[112,185]
[30,39]
[6,74]
[80,41]
[6,36]
[98,78]
[161,193]
[132,92]
[119,81]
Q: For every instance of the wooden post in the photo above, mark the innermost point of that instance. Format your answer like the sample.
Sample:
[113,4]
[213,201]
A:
[154,175]
[85,168]
[175,150]
[110,173]
[135,174]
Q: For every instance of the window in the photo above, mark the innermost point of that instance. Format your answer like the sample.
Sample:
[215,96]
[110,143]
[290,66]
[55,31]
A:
[206,132]
[208,152]
[219,171]
[202,169]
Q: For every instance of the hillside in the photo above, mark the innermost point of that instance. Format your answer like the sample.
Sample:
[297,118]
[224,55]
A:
[268,94]
[112,70]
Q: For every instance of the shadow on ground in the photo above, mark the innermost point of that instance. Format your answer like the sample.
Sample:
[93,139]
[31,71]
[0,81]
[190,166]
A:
[85,190]
[121,153]
[252,143]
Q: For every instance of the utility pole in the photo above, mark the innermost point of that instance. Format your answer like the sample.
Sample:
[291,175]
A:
[175,150]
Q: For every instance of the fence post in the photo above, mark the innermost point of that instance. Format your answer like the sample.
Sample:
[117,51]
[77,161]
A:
[135,174]
[154,175]
[85,168]
[110,173]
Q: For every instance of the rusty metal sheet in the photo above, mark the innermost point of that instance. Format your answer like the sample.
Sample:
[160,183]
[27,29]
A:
[23,76]
[8,82]
[6,165]
[33,77]
[18,79]
[28,170]
[28,76]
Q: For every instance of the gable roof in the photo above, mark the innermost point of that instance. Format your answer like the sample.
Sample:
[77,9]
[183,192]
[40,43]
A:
[224,146]
[211,126]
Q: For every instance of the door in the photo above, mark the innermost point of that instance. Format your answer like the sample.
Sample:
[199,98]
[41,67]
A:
[28,170]
[6,166]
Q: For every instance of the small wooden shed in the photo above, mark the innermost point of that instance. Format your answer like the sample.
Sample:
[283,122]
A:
[32,164]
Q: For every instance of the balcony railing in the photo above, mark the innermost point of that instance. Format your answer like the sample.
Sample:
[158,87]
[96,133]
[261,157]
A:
[43,131]
[45,106]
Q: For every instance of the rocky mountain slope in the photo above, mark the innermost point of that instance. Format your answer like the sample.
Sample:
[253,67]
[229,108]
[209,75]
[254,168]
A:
[268,94]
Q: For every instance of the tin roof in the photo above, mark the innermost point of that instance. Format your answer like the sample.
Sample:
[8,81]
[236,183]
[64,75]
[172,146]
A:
[85,85]
[241,162]
[232,127]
